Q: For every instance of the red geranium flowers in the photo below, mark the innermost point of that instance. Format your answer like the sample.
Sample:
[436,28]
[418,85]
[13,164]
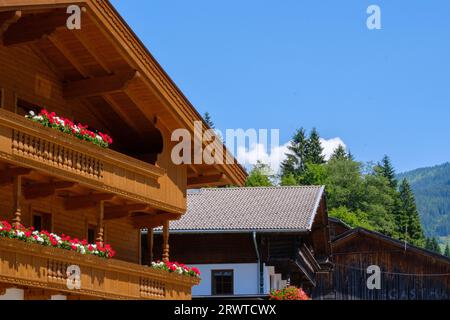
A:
[51,120]
[175,267]
[48,239]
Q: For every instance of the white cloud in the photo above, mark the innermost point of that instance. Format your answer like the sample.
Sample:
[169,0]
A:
[258,152]
[330,145]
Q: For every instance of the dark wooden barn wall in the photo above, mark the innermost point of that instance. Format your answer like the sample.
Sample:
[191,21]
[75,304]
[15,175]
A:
[403,273]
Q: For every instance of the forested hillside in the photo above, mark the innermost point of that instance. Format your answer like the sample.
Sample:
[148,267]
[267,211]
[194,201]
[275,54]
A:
[431,187]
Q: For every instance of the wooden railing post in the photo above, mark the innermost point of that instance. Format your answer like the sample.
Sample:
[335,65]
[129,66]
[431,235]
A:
[100,227]
[166,247]
[150,237]
[17,194]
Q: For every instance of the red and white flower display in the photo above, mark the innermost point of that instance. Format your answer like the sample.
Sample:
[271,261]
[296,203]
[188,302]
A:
[175,267]
[47,239]
[51,120]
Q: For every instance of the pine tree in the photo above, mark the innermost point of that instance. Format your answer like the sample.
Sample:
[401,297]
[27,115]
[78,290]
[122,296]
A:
[208,120]
[387,170]
[339,154]
[314,150]
[410,215]
[436,247]
[447,251]
[295,162]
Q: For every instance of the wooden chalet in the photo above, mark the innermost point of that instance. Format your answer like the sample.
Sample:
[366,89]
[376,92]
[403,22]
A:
[100,75]
[407,272]
[249,241]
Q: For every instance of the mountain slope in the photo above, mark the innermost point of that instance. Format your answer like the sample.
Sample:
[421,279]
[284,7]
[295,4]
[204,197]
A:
[432,189]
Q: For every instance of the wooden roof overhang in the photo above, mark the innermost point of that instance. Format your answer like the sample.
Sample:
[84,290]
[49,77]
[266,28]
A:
[109,68]
[339,244]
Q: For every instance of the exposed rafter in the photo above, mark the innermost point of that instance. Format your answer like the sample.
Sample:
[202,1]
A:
[8,18]
[210,180]
[98,86]
[7,176]
[42,190]
[87,201]
[33,27]
[68,55]
[120,212]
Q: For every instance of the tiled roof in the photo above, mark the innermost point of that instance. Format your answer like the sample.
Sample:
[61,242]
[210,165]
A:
[240,209]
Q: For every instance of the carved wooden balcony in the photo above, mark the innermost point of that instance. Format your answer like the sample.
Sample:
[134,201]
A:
[28,144]
[33,266]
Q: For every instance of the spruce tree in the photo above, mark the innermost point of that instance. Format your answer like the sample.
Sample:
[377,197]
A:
[410,215]
[314,150]
[208,120]
[436,247]
[447,251]
[339,154]
[387,170]
[295,162]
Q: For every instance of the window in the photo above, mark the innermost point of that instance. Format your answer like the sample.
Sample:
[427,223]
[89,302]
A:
[222,282]
[42,221]
[24,107]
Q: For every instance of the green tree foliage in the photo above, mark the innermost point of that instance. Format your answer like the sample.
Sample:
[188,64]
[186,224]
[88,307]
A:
[447,251]
[288,180]
[260,176]
[353,219]
[410,215]
[295,162]
[340,154]
[208,120]
[360,195]
[386,169]
[431,187]
[303,160]
[432,245]
[314,150]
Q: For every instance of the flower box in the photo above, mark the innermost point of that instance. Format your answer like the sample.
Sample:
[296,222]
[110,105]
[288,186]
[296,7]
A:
[47,239]
[175,267]
[51,120]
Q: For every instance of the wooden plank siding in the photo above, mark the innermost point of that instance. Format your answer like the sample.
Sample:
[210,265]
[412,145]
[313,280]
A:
[411,274]
[121,234]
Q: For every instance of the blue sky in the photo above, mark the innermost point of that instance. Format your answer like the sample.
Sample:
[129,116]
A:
[297,63]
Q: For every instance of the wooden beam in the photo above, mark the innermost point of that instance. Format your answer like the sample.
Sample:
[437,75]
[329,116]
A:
[216,179]
[17,197]
[34,27]
[7,176]
[68,55]
[120,212]
[166,247]
[98,86]
[91,48]
[42,190]
[100,226]
[148,221]
[88,201]
[8,18]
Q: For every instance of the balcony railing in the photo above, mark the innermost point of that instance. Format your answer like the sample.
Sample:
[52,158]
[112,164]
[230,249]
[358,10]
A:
[25,143]
[35,266]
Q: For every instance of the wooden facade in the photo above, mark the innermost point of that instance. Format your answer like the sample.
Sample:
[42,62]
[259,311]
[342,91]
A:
[407,272]
[101,75]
